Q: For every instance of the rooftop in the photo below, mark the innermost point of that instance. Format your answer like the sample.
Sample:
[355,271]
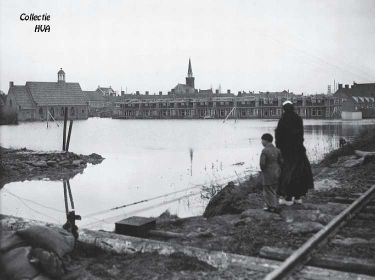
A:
[52,93]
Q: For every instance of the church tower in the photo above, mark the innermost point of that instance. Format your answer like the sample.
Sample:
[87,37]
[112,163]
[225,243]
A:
[61,76]
[190,78]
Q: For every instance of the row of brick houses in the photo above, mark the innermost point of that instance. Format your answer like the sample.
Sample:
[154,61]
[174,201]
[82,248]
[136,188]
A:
[349,102]
[250,105]
[358,100]
[185,101]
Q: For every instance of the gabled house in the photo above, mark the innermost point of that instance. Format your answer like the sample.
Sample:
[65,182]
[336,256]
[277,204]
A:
[47,100]
[98,103]
[106,91]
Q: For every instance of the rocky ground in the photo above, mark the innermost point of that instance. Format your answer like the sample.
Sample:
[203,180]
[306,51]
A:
[23,164]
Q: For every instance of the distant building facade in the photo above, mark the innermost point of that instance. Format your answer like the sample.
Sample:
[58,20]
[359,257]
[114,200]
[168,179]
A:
[101,101]
[244,106]
[41,100]
[358,100]
[185,101]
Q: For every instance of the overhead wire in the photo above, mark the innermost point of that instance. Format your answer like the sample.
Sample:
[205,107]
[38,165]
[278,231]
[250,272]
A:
[312,56]
[339,58]
[115,218]
[151,199]
[36,211]
[34,202]
[333,65]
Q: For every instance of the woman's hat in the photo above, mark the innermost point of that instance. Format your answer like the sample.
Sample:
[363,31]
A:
[287,102]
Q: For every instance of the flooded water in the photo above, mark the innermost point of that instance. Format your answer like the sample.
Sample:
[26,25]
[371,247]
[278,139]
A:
[147,159]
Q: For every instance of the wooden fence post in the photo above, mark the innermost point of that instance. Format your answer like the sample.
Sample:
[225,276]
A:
[65,122]
[69,133]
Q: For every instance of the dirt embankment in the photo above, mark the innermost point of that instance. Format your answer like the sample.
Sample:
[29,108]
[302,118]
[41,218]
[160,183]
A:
[235,222]
[22,164]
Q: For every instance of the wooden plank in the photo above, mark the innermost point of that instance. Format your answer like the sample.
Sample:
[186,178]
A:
[366,216]
[364,153]
[169,234]
[347,200]
[348,264]
[369,209]
[166,234]
[300,256]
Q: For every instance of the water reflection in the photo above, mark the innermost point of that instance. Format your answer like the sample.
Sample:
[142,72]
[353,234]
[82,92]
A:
[71,217]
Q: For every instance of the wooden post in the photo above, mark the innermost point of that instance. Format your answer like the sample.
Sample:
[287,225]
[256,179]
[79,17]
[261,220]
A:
[65,198]
[47,115]
[65,121]
[69,133]
[70,195]
[191,161]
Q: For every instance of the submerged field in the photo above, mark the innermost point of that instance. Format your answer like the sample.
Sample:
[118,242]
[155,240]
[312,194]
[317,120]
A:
[165,162]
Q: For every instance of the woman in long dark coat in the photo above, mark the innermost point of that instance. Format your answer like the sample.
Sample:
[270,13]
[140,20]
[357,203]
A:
[296,176]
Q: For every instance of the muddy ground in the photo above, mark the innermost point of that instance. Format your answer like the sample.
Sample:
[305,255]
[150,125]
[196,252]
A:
[103,265]
[22,164]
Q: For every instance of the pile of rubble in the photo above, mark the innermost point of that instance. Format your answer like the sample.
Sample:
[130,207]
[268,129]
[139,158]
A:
[23,164]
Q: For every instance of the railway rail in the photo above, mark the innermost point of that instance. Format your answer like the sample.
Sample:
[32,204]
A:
[316,250]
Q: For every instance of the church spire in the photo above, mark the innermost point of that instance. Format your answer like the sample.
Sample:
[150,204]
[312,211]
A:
[190,71]
[190,78]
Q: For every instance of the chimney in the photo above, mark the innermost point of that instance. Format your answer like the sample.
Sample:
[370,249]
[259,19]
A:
[11,84]
[122,92]
[216,91]
[146,92]
[346,86]
[228,91]
[160,93]
[340,86]
[137,92]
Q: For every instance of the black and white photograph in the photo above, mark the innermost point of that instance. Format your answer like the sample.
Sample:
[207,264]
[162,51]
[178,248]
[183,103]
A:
[186,139]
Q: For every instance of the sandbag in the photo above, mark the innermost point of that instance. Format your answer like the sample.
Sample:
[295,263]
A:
[15,264]
[48,262]
[53,239]
[10,240]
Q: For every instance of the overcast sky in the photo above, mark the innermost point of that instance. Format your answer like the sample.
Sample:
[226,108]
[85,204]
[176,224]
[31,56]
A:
[145,45]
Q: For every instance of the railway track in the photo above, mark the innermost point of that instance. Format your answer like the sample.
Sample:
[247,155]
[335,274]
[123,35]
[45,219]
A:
[346,243]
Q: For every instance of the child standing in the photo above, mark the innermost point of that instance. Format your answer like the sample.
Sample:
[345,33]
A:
[270,164]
